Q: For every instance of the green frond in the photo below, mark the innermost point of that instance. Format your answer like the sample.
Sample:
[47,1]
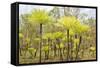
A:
[39,16]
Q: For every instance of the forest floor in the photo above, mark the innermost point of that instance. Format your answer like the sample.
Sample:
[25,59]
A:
[27,59]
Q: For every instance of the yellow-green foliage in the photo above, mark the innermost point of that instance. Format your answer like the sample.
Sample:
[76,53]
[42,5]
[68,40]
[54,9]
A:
[71,32]
[20,38]
[36,39]
[73,24]
[61,45]
[57,46]
[27,40]
[68,21]
[53,35]
[47,35]
[45,48]
[88,38]
[92,48]
[80,28]
[39,16]
[58,34]
[76,42]
[31,49]
[64,39]
[21,35]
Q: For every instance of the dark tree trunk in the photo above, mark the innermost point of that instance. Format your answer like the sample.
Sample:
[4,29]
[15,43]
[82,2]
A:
[48,54]
[71,55]
[40,40]
[61,54]
[35,53]
[55,50]
[59,49]
[68,45]
[45,54]
[48,49]
[63,50]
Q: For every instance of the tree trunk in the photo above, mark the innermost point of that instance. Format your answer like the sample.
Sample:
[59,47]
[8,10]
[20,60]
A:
[55,50]
[35,53]
[48,49]
[20,51]
[60,53]
[80,39]
[40,40]
[71,49]
[68,45]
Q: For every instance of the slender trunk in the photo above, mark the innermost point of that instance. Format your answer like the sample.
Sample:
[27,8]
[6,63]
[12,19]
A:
[80,39]
[63,50]
[31,54]
[55,50]
[48,54]
[40,40]
[83,52]
[60,53]
[35,53]
[59,49]
[48,49]
[71,55]
[45,55]
[68,45]
[20,51]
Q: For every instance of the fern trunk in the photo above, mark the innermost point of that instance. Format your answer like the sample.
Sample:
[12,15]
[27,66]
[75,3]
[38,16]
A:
[80,39]
[67,44]
[40,40]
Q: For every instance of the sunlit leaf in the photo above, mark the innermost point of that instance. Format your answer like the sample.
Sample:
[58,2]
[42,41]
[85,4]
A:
[27,40]
[32,49]
[92,48]
[45,48]
[61,45]
[21,35]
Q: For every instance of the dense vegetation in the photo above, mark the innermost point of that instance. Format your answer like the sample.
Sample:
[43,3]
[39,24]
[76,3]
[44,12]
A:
[53,36]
